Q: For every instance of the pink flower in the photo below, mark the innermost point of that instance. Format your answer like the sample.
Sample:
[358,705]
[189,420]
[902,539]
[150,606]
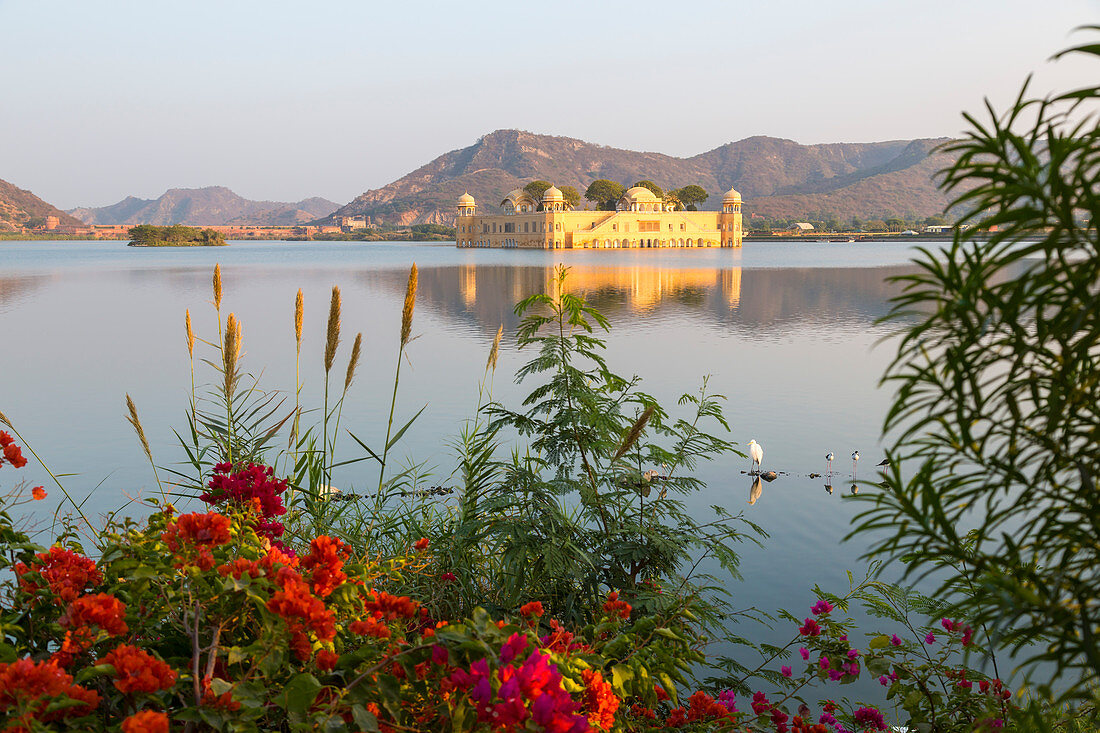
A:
[439,654]
[930,639]
[820,607]
[823,662]
[853,653]
[895,640]
[786,671]
[884,680]
[805,653]
[869,718]
[516,643]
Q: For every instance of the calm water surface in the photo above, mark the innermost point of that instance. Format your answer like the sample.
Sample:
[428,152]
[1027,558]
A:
[787,332]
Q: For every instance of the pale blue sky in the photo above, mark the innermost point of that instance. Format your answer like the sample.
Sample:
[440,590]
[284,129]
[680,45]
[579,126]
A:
[284,100]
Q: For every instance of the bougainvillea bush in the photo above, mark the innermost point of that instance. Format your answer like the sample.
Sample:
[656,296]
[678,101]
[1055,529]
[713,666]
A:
[205,621]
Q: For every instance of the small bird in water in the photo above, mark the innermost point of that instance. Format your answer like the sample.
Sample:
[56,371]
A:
[855,460]
[883,462]
[829,462]
[756,453]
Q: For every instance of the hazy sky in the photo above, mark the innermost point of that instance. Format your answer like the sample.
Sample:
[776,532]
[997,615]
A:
[284,100]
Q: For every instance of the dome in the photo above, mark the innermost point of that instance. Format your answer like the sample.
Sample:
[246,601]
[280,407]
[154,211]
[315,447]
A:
[731,197]
[640,193]
[552,195]
[466,200]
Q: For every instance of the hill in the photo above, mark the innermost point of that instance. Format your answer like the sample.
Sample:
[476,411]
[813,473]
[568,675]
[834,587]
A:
[19,208]
[210,206]
[777,177]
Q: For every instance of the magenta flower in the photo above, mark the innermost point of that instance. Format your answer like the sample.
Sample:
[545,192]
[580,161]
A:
[930,639]
[869,718]
[820,607]
[853,653]
[805,653]
[810,628]
[895,640]
[823,662]
[785,670]
[835,674]
[884,680]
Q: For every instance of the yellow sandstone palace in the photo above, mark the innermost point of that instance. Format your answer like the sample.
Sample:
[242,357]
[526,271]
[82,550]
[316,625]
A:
[640,219]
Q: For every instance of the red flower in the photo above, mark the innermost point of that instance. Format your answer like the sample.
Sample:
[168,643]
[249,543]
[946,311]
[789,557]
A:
[147,721]
[66,573]
[193,535]
[326,660]
[448,577]
[138,671]
[614,607]
[27,688]
[810,628]
[14,454]
[599,701]
[326,557]
[391,607]
[5,439]
[244,488]
[39,493]
[421,544]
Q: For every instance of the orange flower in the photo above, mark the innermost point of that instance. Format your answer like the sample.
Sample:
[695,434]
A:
[240,567]
[12,452]
[326,558]
[39,493]
[27,688]
[391,607]
[326,660]
[66,573]
[600,703]
[296,605]
[100,610]
[138,671]
[193,535]
[147,721]
[421,544]
[534,608]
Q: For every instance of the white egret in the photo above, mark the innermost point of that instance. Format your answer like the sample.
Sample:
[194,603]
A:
[829,462]
[756,453]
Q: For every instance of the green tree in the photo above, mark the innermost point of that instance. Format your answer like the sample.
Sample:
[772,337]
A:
[604,193]
[657,190]
[535,189]
[895,224]
[691,196]
[995,427]
[572,196]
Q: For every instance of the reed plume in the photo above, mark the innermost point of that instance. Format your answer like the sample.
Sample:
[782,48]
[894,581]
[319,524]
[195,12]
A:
[634,433]
[495,351]
[190,337]
[299,309]
[135,421]
[410,303]
[354,361]
[231,352]
[218,286]
[333,339]
[4,419]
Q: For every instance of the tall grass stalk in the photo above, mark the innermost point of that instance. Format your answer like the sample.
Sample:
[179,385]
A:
[353,363]
[135,421]
[231,352]
[406,331]
[332,341]
[299,312]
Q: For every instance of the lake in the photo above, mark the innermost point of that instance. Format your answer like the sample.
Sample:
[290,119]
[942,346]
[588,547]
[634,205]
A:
[787,331]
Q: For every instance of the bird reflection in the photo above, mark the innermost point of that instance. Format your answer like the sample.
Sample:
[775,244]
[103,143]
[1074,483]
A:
[756,490]
[855,489]
[829,489]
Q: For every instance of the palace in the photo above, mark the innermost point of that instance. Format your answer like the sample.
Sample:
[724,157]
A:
[640,219]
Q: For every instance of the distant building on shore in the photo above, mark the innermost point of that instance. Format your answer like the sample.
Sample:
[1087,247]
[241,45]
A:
[640,220]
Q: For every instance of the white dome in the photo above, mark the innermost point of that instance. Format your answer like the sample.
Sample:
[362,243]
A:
[552,195]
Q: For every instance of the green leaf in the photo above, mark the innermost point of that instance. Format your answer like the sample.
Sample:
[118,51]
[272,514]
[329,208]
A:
[300,692]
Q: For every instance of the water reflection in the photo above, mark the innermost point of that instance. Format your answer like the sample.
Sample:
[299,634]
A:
[16,287]
[764,299]
[756,490]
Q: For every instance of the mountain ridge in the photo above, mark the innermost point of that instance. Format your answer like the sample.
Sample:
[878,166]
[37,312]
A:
[777,177]
[19,206]
[207,206]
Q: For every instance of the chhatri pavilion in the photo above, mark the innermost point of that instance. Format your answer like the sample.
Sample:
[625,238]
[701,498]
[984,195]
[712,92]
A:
[640,219]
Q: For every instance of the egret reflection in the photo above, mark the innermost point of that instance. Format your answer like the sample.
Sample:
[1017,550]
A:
[756,490]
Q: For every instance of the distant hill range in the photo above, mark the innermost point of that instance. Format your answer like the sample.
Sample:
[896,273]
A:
[210,206]
[19,208]
[777,178]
